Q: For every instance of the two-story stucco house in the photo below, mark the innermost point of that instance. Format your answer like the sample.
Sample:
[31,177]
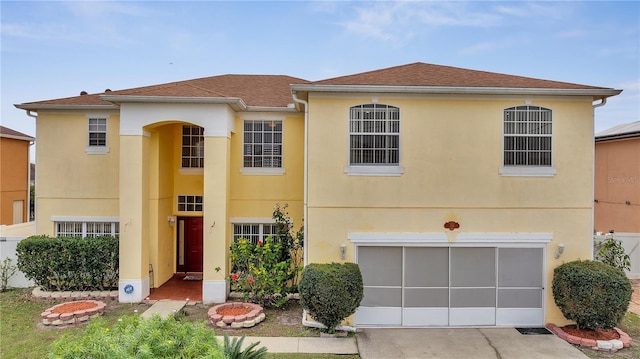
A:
[456,191]
[14,176]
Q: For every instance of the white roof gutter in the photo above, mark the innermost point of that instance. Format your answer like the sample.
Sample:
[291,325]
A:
[235,102]
[596,93]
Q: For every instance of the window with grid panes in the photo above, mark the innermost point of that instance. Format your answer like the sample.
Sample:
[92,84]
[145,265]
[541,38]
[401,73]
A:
[527,136]
[374,135]
[254,231]
[190,203]
[262,144]
[192,146]
[97,132]
[87,229]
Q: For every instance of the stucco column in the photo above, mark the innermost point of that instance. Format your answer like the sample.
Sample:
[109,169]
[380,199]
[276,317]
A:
[215,287]
[134,218]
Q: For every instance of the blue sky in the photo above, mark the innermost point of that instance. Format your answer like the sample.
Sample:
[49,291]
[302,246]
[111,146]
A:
[56,49]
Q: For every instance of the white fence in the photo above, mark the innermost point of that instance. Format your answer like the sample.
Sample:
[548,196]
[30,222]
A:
[631,244]
[10,236]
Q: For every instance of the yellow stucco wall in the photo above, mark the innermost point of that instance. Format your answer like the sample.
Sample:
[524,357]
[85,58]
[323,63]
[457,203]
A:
[451,151]
[70,181]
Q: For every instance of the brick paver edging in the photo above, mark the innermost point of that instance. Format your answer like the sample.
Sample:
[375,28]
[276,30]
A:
[49,317]
[38,293]
[603,345]
[253,317]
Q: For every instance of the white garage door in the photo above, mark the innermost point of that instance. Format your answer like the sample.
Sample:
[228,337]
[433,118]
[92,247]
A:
[451,286]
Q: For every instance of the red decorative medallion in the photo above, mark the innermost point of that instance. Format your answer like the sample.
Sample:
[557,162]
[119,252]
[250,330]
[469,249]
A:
[451,225]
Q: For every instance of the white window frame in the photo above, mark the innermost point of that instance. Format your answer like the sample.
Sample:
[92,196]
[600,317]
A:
[246,223]
[191,203]
[83,225]
[373,169]
[196,151]
[527,170]
[273,171]
[95,128]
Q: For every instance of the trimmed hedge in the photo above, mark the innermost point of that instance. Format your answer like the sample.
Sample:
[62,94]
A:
[331,292]
[593,294]
[65,263]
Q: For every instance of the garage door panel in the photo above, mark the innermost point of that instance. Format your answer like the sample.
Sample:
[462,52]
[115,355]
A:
[380,266]
[519,267]
[426,297]
[520,316]
[472,316]
[473,297]
[382,297]
[519,298]
[427,267]
[378,316]
[416,317]
[473,267]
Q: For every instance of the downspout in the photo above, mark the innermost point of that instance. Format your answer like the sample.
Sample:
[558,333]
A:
[603,102]
[305,322]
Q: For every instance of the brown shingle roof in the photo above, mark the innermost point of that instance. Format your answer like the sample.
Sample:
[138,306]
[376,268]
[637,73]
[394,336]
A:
[421,74]
[7,132]
[254,90]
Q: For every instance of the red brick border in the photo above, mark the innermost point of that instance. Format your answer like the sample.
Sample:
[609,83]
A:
[625,339]
[76,317]
[255,315]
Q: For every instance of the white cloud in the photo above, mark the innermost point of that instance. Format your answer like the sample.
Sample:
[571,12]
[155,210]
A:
[402,19]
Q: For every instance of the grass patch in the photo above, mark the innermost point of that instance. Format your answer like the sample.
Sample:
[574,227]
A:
[22,334]
[630,324]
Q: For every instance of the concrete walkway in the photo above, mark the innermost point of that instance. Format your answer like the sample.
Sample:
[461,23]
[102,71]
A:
[490,343]
[303,345]
[165,308]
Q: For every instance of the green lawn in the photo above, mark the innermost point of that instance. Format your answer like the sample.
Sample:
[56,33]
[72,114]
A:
[23,336]
[630,325]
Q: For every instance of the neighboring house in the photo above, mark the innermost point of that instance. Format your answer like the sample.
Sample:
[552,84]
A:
[14,176]
[617,187]
[451,188]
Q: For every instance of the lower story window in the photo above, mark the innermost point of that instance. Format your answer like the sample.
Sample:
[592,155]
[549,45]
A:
[87,229]
[254,231]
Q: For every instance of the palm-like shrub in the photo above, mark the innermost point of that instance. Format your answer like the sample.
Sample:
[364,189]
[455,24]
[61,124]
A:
[593,294]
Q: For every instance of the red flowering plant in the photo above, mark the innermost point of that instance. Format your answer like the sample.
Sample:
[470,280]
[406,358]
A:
[267,270]
[258,272]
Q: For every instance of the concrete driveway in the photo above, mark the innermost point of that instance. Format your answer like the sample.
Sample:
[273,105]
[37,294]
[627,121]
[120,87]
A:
[501,343]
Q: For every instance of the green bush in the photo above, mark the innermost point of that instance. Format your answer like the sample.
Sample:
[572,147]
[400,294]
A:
[259,272]
[593,294]
[134,337]
[331,292]
[611,252]
[70,263]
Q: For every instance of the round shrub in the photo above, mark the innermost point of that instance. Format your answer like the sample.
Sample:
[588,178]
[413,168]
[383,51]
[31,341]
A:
[331,292]
[593,294]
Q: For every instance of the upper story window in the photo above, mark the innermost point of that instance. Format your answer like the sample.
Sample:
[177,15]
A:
[189,203]
[527,141]
[374,140]
[97,135]
[192,146]
[262,146]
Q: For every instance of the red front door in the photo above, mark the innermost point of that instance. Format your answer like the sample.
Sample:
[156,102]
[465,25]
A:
[190,244]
